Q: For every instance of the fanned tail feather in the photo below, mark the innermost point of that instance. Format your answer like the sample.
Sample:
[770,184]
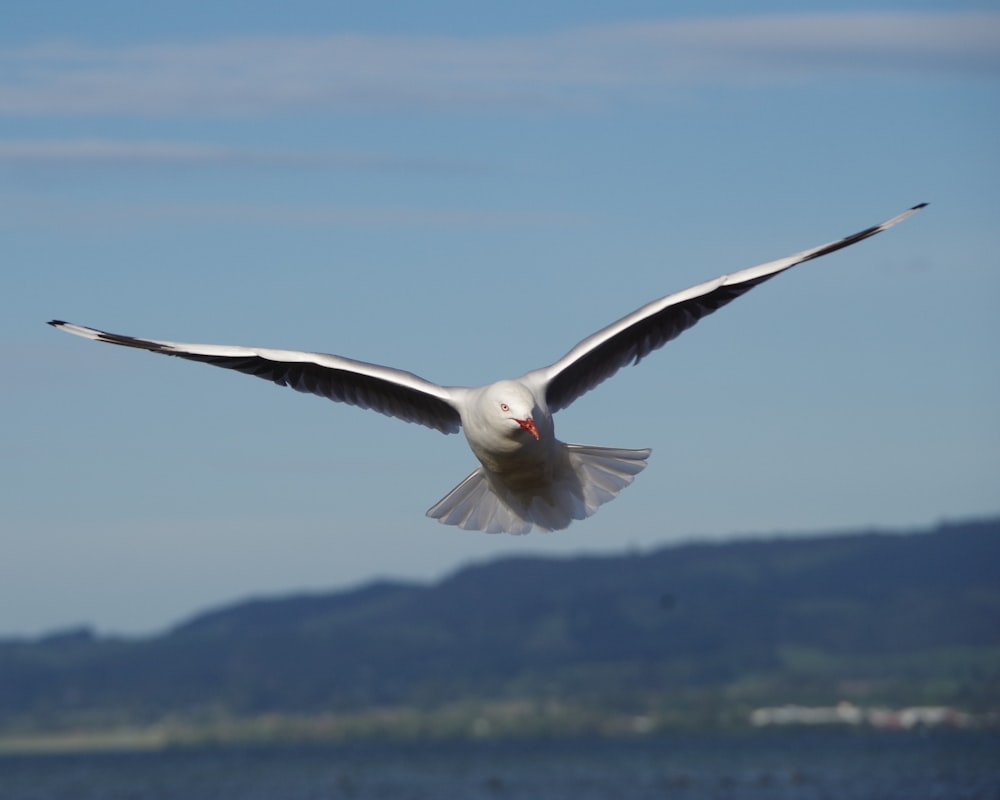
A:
[474,505]
[584,479]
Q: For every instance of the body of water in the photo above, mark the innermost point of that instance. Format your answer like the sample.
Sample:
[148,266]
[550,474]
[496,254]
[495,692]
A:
[806,765]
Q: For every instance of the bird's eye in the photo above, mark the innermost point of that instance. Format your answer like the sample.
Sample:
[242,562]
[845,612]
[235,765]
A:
[504,407]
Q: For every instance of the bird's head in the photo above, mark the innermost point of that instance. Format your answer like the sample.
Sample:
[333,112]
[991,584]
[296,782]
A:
[513,406]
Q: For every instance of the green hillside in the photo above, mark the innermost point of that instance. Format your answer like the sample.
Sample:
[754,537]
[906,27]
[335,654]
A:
[690,635]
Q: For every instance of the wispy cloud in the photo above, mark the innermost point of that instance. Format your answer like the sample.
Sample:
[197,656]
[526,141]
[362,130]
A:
[327,216]
[105,152]
[569,69]
[21,211]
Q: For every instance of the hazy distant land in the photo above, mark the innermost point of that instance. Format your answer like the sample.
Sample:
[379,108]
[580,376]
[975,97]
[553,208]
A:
[850,628]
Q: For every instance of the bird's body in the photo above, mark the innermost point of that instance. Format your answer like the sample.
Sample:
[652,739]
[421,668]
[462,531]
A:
[526,477]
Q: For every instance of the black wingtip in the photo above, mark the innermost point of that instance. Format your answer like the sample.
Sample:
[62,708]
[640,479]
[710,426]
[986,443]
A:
[58,323]
[918,206]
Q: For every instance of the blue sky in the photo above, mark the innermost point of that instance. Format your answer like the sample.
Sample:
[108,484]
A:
[465,192]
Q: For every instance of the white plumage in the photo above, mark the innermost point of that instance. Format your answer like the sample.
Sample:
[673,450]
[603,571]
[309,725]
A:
[526,478]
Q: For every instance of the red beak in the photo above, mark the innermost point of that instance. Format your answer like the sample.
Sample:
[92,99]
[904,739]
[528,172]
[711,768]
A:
[529,425]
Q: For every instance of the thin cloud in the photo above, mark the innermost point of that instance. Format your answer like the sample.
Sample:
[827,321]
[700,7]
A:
[105,152]
[20,211]
[574,69]
[327,216]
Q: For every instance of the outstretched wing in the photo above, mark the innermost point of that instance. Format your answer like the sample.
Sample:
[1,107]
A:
[633,337]
[389,391]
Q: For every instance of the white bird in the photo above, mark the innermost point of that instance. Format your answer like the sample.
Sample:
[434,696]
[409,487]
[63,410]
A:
[526,476]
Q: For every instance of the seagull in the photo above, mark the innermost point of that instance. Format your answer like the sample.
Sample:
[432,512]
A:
[526,478]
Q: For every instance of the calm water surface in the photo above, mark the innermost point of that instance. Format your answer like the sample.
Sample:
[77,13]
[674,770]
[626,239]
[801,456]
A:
[807,765]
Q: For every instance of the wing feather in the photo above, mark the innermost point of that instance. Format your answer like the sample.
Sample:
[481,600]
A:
[389,391]
[633,337]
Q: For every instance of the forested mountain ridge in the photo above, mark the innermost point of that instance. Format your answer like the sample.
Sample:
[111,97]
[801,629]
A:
[874,617]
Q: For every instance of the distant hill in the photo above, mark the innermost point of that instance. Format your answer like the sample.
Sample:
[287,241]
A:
[903,618]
